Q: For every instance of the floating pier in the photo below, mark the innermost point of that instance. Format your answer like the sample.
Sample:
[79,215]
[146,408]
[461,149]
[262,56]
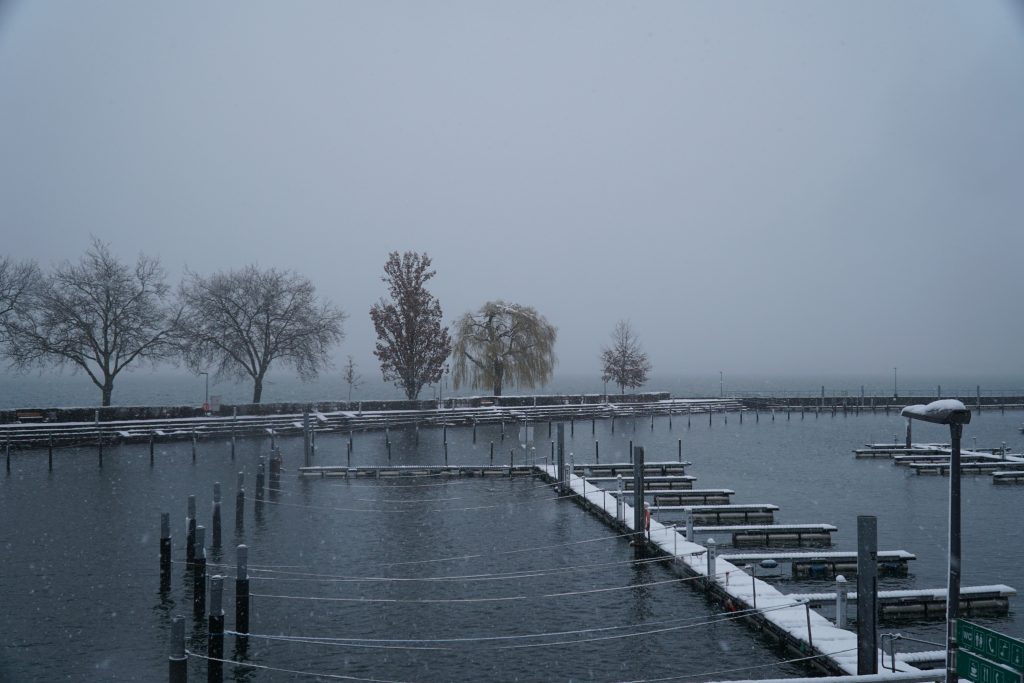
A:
[653,469]
[928,602]
[685,496]
[391,471]
[828,564]
[684,482]
[748,513]
[768,535]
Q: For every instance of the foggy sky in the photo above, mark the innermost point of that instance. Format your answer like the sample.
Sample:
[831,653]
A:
[760,187]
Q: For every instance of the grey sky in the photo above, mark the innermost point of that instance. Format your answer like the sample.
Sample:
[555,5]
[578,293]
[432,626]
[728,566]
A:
[760,186]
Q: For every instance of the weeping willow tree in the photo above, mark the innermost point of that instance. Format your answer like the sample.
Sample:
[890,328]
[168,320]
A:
[503,344]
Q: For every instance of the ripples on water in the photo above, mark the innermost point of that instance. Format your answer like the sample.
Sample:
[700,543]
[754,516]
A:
[80,552]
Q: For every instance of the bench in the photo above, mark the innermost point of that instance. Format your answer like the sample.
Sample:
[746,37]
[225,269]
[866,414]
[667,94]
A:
[30,416]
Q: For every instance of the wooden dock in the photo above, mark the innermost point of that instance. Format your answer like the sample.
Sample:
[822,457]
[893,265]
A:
[828,564]
[747,513]
[769,535]
[613,469]
[391,471]
[686,496]
[684,482]
[927,603]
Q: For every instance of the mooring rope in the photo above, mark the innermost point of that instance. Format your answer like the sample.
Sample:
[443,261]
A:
[705,676]
[252,665]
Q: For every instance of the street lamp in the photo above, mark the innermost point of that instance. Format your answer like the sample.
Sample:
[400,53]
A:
[953,413]
[206,402]
[440,385]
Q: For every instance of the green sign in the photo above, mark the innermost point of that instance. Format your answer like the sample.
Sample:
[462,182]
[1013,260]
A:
[990,645]
[971,667]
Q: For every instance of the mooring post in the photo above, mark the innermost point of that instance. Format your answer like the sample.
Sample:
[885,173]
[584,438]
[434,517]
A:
[215,521]
[240,504]
[572,426]
[593,426]
[689,526]
[630,451]
[215,631]
[597,451]
[652,421]
[560,459]
[444,434]
[840,601]
[307,453]
[7,449]
[474,431]
[511,460]
[234,424]
[680,445]
[867,595]
[177,661]
[907,444]
[242,596]
[273,439]
[99,440]
[613,424]
[49,457]
[619,500]
[152,448]
[711,546]
[193,444]
[261,476]
[502,430]
[741,415]
[199,574]
[165,552]
[810,638]
[639,527]
[190,532]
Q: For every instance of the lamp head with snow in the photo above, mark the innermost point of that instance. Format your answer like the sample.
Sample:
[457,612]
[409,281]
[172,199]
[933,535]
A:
[948,411]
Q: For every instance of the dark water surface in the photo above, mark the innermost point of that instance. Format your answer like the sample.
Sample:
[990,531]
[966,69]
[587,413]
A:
[79,599]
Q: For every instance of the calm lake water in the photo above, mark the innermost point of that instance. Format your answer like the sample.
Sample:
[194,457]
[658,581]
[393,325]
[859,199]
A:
[79,591]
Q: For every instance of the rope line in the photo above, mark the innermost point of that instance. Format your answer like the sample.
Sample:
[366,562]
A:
[340,677]
[411,642]
[507,598]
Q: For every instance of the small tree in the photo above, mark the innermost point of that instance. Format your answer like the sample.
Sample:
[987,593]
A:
[503,343]
[18,281]
[98,315]
[243,321]
[352,378]
[411,343]
[624,362]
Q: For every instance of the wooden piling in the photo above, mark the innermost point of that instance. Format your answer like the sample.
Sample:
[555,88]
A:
[234,424]
[49,457]
[631,452]
[199,574]
[741,417]
[240,504]
[563,482]
[152,448]
[190,532]
[492,452]
[680,449]
[593,426]
[597,451]
[99,440]
[165,552]
[242,597]
[307,452]
[502,430]
[215,631]
[177,661]
[215,518]
[7,449]
[260,481]
[639,526]
[445,454]
[474,431]
[193,444]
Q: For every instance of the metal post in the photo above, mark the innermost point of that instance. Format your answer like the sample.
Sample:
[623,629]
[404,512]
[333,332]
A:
[215,521]
[165,552]
[560,459]
[193,444]
[152,447]
[49,458]
[841,601]
[680,448]
[190,532]
[712,549]
[597,451]
[215,631]
[810,638]
[638,499]
[242,595]
[618,498]
[240,504]
[753,583]
[99,440]
[177,661]
[867,595]
[306,450]
[953,586]
[689,526]
[199,574]
[907,445]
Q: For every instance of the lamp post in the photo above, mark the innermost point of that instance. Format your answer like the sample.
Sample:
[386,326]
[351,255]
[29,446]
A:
[895,392]
[440,386]
[953,413]
[206,401]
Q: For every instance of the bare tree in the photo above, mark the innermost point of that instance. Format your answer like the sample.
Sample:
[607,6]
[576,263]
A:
[99,315]
[625,363]
[411,343]
[503,343]
[18,280]
[240,322]
[352,378]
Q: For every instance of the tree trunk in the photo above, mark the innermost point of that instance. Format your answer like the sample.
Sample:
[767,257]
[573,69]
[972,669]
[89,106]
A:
[499,375]
[108,389]
[257,389]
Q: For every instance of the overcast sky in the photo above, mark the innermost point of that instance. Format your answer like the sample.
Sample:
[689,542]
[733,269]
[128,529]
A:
[762,187]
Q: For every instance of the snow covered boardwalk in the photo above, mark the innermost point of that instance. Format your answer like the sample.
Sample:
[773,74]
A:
[793,623]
